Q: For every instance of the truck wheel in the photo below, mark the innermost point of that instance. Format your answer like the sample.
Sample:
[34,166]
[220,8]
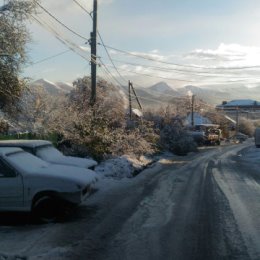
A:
[46,209]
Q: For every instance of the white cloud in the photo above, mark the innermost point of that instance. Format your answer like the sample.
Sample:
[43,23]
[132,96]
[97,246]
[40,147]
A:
[152,55]
[229,54]
[229,63]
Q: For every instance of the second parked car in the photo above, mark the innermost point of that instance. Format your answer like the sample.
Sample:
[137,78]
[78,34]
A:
[47,152]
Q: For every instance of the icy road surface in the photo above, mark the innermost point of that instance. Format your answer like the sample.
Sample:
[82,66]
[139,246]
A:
[207,207]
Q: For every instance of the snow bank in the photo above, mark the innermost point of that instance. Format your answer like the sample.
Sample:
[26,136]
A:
[125,166]
[11,257]
[251,155]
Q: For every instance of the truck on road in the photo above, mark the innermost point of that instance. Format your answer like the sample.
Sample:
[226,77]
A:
[206,134]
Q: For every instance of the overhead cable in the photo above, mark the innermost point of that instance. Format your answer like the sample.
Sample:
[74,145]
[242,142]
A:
[179,65]
[61,23]
[83,8]
[50,57]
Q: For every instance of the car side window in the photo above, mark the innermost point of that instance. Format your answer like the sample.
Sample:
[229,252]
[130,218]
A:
[6,171]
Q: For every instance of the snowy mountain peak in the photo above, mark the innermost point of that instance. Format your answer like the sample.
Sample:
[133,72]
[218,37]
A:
[161,87]
[51,87]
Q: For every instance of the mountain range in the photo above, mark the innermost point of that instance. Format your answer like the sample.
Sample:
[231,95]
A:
[162,93]
[51,87]
[213,95]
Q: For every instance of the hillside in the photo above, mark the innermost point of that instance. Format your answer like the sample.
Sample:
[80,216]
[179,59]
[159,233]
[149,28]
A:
[51,87]
[161,93]
[212,95]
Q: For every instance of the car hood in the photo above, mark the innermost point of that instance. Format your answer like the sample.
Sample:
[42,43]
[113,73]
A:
[75,161]
[74,174]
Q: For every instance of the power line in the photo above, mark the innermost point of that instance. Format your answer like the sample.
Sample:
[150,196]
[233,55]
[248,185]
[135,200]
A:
[152,76]
[175,79]
[167,69]
[103,44]
[110,58]
[83,8]
[50,57]
[61,23]
[107,70]
[57,35]
[179,65]
[67,42]
[70,44]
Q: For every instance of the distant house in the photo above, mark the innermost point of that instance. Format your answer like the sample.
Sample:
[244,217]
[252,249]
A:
[198,119]
[241,104]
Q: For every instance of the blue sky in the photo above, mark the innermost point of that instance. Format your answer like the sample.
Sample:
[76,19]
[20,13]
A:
[214,38]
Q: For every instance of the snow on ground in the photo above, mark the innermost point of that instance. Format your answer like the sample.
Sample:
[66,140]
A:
[29,241]
[251,155]
[121,167]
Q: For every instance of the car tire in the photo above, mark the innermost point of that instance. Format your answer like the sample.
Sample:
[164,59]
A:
[46,209]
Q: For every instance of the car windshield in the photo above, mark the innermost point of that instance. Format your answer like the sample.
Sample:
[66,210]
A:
[25,161]
[48,152]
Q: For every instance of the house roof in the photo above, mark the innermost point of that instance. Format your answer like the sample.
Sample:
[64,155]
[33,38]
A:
[198,119]
[240,103]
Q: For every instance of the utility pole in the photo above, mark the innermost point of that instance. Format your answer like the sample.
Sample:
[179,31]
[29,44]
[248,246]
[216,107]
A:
[130,99]
[131,89]
[93,45]
[192,110]
[237,120]
[137,99]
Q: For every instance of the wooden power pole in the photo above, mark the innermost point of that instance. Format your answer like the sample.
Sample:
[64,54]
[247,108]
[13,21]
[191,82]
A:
[237,120]
[130,99]
[192,110]
[93,45]
[131,88]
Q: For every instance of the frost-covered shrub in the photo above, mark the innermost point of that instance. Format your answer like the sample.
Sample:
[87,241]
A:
[183,145]
[102,128]
[246,127]
[174,139]
[134,142]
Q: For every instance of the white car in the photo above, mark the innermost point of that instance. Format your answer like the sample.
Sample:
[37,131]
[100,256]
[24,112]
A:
[46,151]
[28,183]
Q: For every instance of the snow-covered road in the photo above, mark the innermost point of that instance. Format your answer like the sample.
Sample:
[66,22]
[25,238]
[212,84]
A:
[206,207]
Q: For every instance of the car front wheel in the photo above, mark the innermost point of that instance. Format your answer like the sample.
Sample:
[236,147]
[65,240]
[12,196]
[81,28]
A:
[46,209]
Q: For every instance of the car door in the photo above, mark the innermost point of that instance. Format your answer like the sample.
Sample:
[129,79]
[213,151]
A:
[11,188]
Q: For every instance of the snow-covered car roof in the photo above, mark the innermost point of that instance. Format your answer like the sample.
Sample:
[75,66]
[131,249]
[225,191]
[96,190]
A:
[24,143]
[7,150]
[51,156]
[30,164]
